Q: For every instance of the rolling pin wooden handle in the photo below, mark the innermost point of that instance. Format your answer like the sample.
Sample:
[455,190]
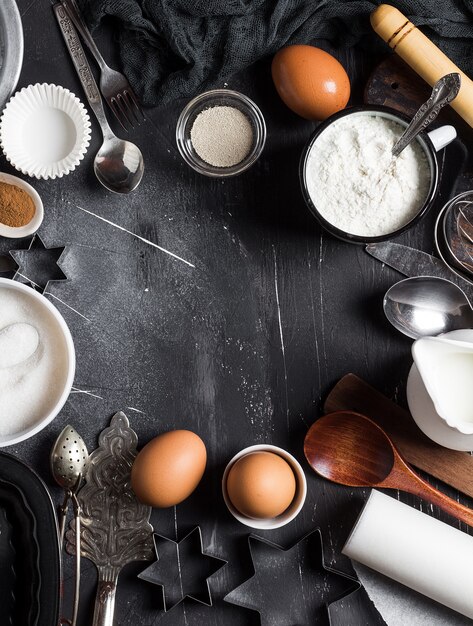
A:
[421,54]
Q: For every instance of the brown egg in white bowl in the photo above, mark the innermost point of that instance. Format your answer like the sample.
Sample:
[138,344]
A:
[264,487]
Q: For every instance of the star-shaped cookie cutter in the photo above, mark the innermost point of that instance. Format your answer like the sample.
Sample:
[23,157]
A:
[180,584]
[51,270]
[277,618]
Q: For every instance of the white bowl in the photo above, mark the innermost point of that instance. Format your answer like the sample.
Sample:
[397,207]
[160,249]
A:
[25,433]
[30,228]
[294,508]
[44,131]
[423,410]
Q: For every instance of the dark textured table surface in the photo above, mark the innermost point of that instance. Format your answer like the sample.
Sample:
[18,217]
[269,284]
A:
[240,344]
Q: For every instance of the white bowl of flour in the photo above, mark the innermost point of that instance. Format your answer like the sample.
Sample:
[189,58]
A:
[37,362]
[355,187]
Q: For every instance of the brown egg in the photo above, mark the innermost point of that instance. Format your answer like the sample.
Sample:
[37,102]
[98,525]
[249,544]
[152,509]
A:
[261,485]
[169,468]
[310,81]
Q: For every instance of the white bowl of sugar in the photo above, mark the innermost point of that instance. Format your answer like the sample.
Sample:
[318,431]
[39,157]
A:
[353,185]
[37,362]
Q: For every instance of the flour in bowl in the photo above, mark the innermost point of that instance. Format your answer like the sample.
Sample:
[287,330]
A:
[357,185]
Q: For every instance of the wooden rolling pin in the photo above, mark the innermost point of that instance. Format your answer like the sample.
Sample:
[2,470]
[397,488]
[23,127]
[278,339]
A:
[421,54]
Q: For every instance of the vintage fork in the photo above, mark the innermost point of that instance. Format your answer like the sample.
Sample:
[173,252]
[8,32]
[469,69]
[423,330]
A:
[114,87]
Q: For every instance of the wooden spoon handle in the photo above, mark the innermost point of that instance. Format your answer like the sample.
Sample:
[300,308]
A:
[421,488]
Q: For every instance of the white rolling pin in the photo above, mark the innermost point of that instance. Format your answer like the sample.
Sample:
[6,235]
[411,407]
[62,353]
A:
[416,550]
[421,54]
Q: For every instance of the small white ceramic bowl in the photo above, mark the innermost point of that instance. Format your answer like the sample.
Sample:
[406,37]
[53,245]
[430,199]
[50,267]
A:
[295,506]
[63,331]
[30,228]
[44,131]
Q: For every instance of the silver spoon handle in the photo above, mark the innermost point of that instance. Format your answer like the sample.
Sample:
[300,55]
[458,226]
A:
[82,67]
[62,514]
[444,91]
[75,605]
[74,13]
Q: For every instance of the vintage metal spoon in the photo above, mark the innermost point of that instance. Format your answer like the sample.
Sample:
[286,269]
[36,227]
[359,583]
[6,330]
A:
[350,449]
[119,164]
[426,306]
[445,90]
[69,458]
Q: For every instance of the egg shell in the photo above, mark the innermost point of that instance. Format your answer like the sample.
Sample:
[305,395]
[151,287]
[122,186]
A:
[168,469]
[261,485]
[310,81]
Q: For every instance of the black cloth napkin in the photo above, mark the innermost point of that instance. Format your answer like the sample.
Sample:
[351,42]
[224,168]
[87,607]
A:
[175,48]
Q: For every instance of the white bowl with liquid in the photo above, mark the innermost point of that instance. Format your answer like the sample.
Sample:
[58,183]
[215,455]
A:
[440,388]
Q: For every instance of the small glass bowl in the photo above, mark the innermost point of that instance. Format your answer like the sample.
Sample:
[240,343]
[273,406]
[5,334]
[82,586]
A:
[219,97]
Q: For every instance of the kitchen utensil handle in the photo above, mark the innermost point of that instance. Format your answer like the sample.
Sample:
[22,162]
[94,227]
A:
[82,67]
[77,511]
[74,13]
[62,513]
[442,136]
[421,54]
[445,90]
[105,602]
[423,489]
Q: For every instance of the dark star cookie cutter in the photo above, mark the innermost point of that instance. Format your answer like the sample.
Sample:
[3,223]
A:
[269,592]
[38,265]
[179,573]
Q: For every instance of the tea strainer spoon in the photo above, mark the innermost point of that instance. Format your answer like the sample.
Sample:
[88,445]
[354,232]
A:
[68,460]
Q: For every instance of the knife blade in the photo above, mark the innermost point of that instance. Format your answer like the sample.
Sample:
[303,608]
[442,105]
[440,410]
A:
[412,262]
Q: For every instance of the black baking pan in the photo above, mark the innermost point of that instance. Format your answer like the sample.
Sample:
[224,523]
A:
[29,548]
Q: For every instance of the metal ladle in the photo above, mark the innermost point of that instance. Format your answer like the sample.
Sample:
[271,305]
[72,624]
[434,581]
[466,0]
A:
[68,461]
[444,91]
[427,306]
[119,164]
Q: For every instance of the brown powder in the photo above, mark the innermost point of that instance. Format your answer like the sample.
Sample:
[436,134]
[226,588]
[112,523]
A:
[16,206]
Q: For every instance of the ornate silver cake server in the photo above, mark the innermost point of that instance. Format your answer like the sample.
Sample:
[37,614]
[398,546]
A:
[115,528]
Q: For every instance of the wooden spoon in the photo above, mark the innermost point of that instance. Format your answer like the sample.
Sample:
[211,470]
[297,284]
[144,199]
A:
[350,449]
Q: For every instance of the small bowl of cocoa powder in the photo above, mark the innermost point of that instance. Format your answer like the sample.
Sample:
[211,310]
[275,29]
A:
[21,208]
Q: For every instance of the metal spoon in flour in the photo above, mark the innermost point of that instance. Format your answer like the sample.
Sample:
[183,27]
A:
[444,91]
[18,342]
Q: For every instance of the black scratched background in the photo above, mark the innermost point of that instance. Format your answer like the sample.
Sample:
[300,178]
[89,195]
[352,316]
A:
[240,344]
